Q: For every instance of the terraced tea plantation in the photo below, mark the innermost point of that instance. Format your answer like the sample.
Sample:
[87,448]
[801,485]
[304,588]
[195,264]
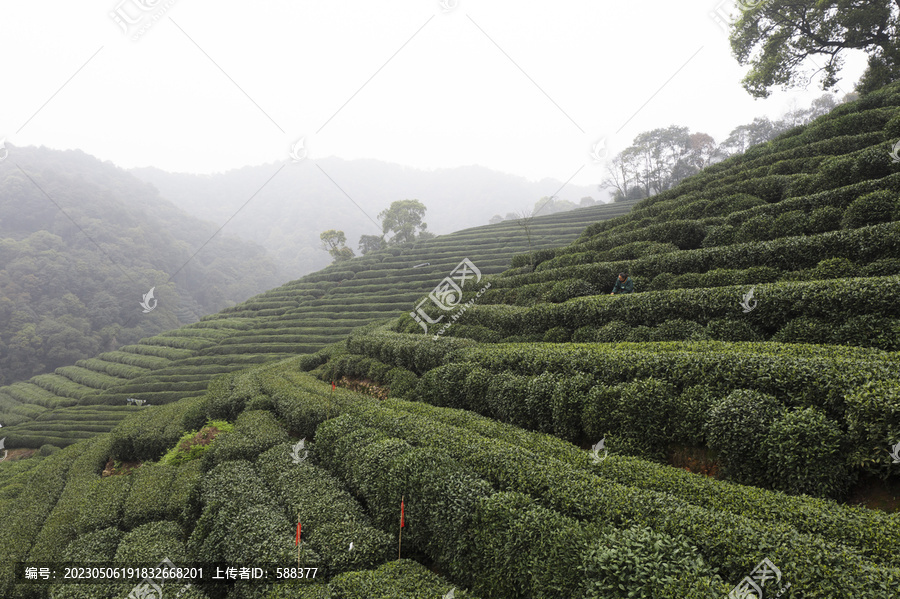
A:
[709,436]
[303,316]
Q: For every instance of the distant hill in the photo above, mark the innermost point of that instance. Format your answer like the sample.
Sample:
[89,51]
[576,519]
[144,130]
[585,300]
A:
[302,316]
[82,241]
[289,212]
[719,430]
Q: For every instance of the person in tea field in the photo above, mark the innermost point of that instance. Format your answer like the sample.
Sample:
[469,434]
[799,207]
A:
[624,284]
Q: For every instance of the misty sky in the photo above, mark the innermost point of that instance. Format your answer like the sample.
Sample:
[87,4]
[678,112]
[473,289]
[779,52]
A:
[521,87]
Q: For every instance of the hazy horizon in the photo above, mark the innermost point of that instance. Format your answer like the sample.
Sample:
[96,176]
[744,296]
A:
[521,90]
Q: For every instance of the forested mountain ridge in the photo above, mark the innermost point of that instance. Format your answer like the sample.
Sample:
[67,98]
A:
[82,241]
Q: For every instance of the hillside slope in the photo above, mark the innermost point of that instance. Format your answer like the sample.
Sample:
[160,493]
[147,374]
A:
[303,316]
[477,431]
[81,242]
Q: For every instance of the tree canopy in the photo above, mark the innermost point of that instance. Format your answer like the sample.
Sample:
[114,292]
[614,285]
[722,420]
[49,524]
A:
[371,243]
[73,270]
[334,242]
[780,39]
[404,218]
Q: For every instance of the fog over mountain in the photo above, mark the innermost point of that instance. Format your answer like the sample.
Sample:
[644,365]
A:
[284,207]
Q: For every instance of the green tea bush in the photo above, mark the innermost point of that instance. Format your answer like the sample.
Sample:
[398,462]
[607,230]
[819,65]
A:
[475,332]
[446,385]
[640,334]
[600,415]
[557,335]
[873,331]
[722,537]
[730,329]
[835,268]
[148,498]
[147,434]
[661,281]
[805,329]
[836,171]
[48,449]
[824,219]
[870,532]
[152,542]
[789,224]
[101,503]
[241,522]
[307,491]
[567,404]
[872,163]
[881,268]
[254,432]
[547,547]
[678,329]
[758,228]
[371,546]
[585,334]
[505,399]
[719,277]
[399,578]
[871,209]
[566,290]
[97,546]
[538,393]
[646,411]
[638,562]
[440,495]
[805,454]
[401,381]
[732,203]
[737,428]
[720,235]
[873,423]
[613,332]
[194,443]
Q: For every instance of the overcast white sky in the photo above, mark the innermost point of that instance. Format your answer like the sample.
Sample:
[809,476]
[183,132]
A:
[520,87]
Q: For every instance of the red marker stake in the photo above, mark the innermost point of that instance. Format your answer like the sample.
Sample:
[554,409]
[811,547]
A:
[298,543]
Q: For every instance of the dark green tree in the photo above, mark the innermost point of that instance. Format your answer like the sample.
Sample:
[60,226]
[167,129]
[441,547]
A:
[776,37]
[371,243]
[335,243]
[404,217]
